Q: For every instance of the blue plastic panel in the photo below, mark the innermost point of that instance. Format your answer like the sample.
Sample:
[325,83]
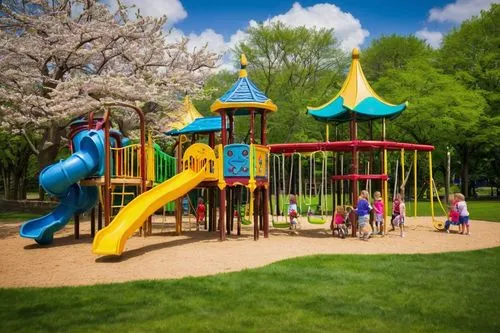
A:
[237,160]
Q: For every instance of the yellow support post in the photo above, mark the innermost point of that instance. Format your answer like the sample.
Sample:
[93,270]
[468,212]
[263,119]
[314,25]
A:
[150,159]
[336,184]
[415,199]
[251,182]
[431,180]
[386,193]
[327,133]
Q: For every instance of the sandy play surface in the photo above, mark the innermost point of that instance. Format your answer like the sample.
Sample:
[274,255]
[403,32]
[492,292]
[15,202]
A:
[68,261]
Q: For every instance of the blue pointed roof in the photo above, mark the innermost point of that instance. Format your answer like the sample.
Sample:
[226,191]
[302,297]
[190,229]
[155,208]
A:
[199,125]
[243,96]
[356,96]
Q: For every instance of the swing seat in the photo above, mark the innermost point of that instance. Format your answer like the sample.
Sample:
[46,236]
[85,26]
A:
[316,220]
[278,225]
[245,221]
[242,212]
[438,225]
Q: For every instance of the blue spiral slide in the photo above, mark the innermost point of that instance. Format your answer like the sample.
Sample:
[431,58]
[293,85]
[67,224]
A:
[61,180]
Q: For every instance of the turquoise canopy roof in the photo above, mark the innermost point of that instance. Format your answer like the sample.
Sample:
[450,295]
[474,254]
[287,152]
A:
[199,125]
[356,97]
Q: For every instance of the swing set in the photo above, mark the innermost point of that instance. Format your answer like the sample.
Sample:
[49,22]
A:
[282,189]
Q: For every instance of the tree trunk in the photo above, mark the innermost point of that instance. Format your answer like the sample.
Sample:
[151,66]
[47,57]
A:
[48,151]
[465,172]
[14,181]
[447,177]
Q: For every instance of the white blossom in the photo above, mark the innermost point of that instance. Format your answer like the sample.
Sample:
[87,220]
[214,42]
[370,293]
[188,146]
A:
[61,59]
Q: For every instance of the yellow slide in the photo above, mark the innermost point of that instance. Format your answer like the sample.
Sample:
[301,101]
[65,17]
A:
[111,240]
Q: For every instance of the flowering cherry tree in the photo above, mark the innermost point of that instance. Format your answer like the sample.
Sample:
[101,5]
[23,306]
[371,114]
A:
[61,59]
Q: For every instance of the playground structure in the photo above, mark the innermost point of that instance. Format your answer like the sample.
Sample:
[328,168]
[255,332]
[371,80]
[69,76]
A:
[104,170]
[104,162]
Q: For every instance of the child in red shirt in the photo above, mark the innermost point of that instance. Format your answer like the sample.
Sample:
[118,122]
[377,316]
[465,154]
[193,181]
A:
[200,213]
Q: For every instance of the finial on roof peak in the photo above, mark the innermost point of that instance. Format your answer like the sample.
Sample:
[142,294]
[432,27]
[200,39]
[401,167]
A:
[243,63]
[355,53]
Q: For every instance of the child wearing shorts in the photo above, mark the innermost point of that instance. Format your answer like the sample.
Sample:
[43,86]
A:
[399,220]
[463,218]
[378,206]
[363,211]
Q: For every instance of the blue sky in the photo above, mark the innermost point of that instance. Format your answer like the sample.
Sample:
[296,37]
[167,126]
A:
[378,17]
[221,24]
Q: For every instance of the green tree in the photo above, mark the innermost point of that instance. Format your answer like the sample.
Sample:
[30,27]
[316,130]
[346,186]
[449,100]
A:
[295,67]
[392,52]
[14,156]
[442,111]
[471,54]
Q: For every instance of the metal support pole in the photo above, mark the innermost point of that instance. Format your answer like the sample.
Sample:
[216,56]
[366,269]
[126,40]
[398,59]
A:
[415,199]
[386,193]
[431,180]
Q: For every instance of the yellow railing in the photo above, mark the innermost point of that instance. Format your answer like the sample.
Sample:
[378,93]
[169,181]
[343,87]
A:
[126,161]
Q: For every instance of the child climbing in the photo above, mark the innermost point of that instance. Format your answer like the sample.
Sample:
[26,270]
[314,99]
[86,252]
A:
[293,212]
[363,211]
[200,213]
[453,215]
[463,218]
[378,205]
[338,223]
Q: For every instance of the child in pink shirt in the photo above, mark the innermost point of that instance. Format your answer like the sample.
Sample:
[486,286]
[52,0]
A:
[338,222]
[378,205]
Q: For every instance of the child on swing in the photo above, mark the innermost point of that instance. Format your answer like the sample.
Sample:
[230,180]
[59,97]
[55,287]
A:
[378,206]
[292,211]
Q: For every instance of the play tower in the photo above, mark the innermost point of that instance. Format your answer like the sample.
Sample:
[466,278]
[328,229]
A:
[244,164]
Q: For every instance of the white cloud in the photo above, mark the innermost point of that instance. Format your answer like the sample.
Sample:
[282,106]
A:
[433,38]
[214,41]
[172,8]
[459,11]
[236,38]
[346,27]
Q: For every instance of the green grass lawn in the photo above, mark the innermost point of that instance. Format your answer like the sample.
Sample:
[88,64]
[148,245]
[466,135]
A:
[12,217]
[449,292]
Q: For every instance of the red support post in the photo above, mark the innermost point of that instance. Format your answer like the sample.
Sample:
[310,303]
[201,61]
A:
[265,207]
[222,193]
[76,217]
[355,170]
[92,222]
